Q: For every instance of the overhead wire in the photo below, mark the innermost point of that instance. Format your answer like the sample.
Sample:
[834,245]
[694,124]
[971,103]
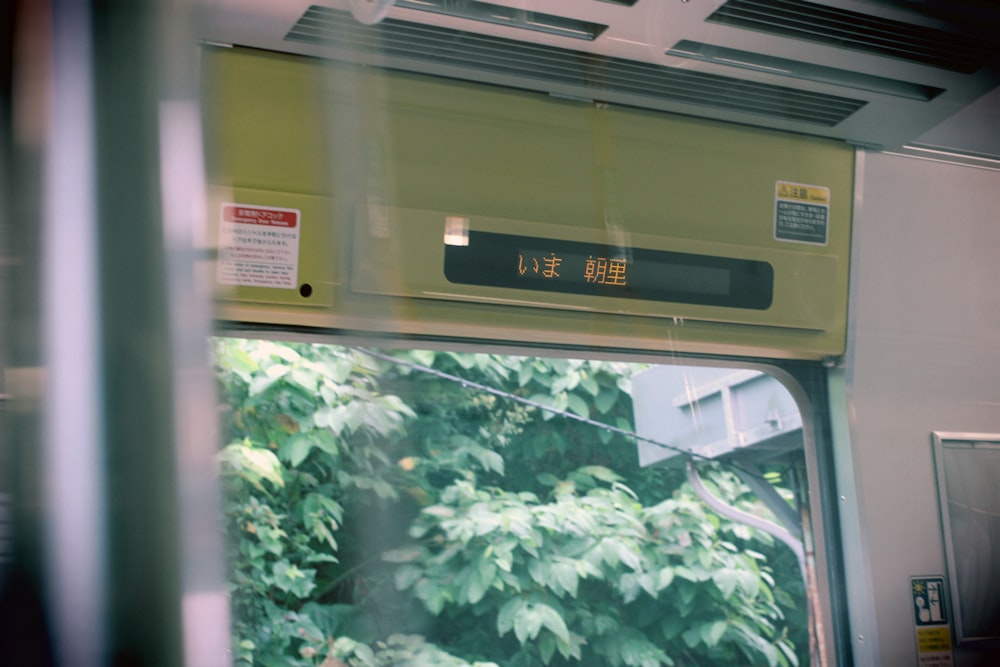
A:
[550,409]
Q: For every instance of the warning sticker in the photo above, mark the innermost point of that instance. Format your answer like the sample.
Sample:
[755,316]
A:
[930,616]
[259,246]
[801,213]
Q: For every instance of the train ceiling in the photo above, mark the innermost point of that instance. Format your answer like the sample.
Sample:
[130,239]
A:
[881,73]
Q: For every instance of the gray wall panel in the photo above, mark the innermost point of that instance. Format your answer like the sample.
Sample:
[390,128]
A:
[923,355]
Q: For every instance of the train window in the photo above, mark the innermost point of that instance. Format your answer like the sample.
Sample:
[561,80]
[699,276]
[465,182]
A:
[966,465]
[437,507]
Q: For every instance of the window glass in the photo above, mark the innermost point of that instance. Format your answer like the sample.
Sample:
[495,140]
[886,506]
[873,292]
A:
[417,507]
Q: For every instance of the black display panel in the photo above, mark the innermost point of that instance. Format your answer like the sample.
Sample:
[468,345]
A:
[572,267]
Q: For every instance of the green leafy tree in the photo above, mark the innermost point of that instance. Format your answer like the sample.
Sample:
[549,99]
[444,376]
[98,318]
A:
[592,576]
[310,435]
[380,514]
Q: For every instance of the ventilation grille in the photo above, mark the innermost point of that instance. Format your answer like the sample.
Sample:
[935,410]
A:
[405,45]
[512,17]
[802,70]
[859,32]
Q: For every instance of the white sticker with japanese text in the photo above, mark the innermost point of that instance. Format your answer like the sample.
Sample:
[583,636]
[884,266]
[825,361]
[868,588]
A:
[259,246]
[801,213]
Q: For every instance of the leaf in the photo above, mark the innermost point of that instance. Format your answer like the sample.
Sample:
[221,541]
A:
[752,640]
[329,506]
[262,383]
[295,449]
[539,571]
[364,653]
[664,578]
[564,574]
[505,618]
[432,595]
[647,583]
[406,576]
[749,583]
[558,366]
[395,404]
[258,464]
[628,555]
[686,592]
[291,579]
[305,379]
[590,385]
[237,360]
[473,588]
[487,571]
[605,624]
[490,460]
[726,580]
[560,402]
[601,473]
[283,351]
[323,532]
[325,440]
[554,621]
[547,479]
[547,648]
[340,370]
[628,586]
[328,417]
[464,360]
[485,361]
[322,558]
[354,414]
[606,400]
[423,357]
[439,511]
[524,374]
[789,653]
[546,400]
[578,406]
[527,624]
[711,633]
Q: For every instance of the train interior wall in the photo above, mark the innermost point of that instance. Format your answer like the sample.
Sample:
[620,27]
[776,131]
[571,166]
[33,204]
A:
[922,357]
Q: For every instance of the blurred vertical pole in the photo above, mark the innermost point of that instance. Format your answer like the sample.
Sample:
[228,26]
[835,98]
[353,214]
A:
[205,600]
[168,600]
[72,408]
[144,549]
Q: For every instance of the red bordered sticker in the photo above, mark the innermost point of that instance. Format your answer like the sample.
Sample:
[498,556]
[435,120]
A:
[259,246]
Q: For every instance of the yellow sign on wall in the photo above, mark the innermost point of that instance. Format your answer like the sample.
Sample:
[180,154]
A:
[930,616]
[801,213]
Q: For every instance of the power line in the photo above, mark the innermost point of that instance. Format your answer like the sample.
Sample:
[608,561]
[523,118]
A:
[546,408]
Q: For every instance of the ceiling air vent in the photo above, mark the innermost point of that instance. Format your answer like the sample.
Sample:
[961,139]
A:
[421,47]
[802,70]
[860,32]
[512,17]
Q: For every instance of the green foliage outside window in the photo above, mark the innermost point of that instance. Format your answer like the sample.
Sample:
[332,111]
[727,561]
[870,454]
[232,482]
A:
[380,516]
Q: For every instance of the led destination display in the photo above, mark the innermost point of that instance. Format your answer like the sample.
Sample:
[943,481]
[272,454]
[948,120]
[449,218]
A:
[572,267]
